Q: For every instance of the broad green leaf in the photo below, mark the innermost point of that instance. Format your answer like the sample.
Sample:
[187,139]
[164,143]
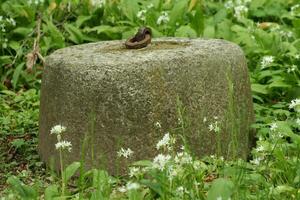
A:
[56,36]
[16,74]
[197,21]
[24,31]
[130,8]
[25,192]
[51,192]
[186,31]
[75,34]
[70,170]
[221,189]
[279,84]
[177,12]
[258,88]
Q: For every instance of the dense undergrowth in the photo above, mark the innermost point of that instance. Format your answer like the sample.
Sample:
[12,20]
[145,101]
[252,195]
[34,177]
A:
[267,30]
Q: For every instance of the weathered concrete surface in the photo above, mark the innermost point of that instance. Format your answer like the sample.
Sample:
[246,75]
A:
[115,96]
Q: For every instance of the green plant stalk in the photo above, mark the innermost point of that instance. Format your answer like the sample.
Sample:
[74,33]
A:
[62,173]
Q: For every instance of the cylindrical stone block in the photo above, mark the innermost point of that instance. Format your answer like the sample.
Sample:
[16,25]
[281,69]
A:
[113,97]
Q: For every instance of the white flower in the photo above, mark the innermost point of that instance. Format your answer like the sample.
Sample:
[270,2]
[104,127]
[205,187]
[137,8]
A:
[297,56]
[157,125]
[229,5]
[125,153]
[64,145]
[133,171]
[292,68]
[298,121]
[256,161]
[98,3]
[273,126]
[260,148]
[132,186]
[150,6]
[180,191]
[163,18]
[239,11]
[58,129]
[183,158]
[122,189]
[266,61]
[214,127]
[211,127]
[165,141]
[294,103]
[142,15]
[204,119]
[160,161]
[294,8]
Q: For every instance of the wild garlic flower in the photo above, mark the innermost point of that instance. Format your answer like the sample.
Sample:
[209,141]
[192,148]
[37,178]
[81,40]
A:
[294,8]
[157,125]
[266,61]
[297,56]
[298,121]
[132,186]
[98,3]
[256,161]
[229,5]
[273,126]
[214,127]
[142,15]
[240,11]
[58,129]
[134,171]
[183,158]
[160,161]
[64,145]
[165,141]
[36,2]
[260,148]
[163,18]
[294,104]
[126,153]
[122,189]
[292,68]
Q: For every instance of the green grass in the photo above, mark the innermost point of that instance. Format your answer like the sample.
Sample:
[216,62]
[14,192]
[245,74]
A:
[268,32]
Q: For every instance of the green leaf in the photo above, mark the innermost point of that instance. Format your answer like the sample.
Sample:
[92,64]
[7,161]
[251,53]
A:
[76,35]
[143,163]
[70,170]
[18,143]
[220,188]
[16,74]
[56,36]
[25,192]
[130,8]
[258,88]
[197,21]
[51,192]
[186,31]
[23,31]
[177,12]
[279,84]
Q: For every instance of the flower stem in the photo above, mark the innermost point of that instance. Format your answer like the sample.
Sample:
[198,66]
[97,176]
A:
[62,173]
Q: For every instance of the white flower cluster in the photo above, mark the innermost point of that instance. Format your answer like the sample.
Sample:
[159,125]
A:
[4,21]
[273,126]
[163,18]
[294,9]
[58,129]
[239,6]
[214,127]
[98,3]
[295,104]
[142,15]
[160,161]
[266,61]
[132,186]
[183,158]
[257,160]
[64,145]
[36,2]
[292,68]
[126,153]
[298,121]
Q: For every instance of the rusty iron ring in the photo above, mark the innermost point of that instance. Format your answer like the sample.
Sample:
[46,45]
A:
[141,39]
